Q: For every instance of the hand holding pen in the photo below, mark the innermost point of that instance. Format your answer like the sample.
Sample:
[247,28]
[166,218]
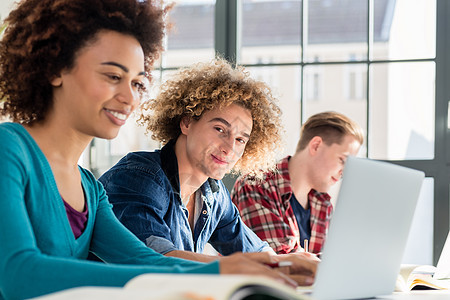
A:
[279,264]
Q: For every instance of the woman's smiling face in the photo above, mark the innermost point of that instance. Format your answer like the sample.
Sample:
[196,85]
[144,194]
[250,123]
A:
[98,94]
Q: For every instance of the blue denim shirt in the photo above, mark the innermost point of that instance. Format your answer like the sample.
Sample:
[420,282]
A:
[145,192]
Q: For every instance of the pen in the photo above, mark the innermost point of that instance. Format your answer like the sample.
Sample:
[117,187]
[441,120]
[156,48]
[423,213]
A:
[305,245]
[279,264]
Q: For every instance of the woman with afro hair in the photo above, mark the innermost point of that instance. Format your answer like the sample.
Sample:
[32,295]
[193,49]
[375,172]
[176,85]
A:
[72,70]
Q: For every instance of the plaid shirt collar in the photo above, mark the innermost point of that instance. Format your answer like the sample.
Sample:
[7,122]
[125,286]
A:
[283,180]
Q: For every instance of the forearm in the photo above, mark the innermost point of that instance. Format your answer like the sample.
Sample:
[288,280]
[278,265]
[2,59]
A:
[41,274]
[192,256]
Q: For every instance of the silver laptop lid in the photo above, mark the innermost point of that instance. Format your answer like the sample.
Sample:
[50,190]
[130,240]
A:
[368,231]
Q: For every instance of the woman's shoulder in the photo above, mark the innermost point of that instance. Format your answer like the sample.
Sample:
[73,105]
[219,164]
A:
[12,132]
[10,125]
[16,141]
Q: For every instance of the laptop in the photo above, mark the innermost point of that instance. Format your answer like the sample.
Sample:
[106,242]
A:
[367,235]
[443,265]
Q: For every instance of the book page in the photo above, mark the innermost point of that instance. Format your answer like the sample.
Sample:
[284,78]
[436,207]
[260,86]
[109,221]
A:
[405,271]
[208,287]
[409,272]
[108,293]
[421,277]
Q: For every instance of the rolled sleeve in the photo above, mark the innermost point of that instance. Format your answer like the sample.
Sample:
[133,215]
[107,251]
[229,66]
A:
[159,244]
[268,249]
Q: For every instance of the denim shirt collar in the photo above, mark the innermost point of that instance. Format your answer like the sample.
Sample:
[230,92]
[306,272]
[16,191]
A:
[169,164]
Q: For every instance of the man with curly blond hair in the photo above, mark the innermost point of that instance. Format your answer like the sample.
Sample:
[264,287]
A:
[212,119]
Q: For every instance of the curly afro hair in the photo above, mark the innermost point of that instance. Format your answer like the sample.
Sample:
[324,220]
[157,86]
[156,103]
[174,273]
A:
[205,86]
[43,37]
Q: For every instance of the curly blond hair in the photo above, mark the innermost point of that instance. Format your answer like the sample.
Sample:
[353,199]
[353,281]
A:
[206,86]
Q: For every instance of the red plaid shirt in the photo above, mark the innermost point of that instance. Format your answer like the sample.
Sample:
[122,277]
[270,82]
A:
[265,208]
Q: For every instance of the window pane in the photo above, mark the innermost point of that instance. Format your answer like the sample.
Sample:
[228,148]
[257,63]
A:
[5,8]
[131,138]
[337,30]
[105,153]
[271,31]
[285,85]
[404,29]
[191,38]
[419,247]
[402,111]
[340,88]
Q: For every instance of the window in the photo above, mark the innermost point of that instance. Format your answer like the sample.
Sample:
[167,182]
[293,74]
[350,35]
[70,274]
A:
[312,84]
[355,78]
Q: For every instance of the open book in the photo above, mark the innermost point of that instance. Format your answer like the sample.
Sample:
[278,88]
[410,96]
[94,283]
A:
[415,277]
[217,287]
[186,287]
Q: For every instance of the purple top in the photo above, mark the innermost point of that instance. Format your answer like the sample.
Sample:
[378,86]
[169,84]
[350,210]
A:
[77,219]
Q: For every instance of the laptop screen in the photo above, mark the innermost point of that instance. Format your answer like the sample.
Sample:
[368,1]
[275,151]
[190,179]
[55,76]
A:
[368,231]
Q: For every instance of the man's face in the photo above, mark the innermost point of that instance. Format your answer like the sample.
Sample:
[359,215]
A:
[328,162]
[217,141]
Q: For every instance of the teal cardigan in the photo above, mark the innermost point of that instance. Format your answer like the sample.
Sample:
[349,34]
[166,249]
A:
[38,251]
